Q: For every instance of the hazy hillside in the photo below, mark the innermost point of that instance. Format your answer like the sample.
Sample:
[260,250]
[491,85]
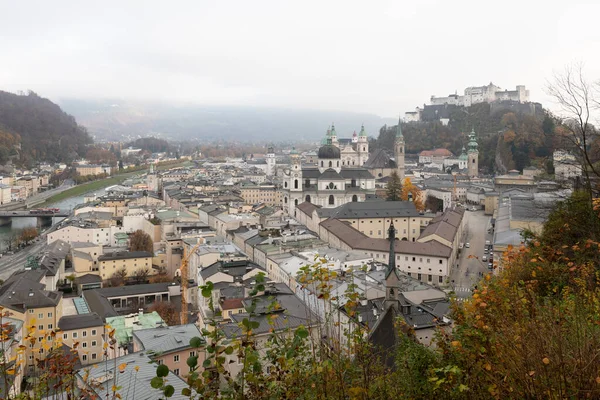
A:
[111,120]
[45,132]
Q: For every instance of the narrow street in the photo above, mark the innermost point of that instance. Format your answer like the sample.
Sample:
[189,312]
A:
[469,268]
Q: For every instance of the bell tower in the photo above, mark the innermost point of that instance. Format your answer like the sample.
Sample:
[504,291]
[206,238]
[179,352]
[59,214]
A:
[473,156]
[399,149]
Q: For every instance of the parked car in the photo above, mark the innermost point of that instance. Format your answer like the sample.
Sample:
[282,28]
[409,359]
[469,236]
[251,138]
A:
[484,258]
[491,265]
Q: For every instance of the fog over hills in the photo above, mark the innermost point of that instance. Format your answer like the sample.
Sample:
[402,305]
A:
[125,120]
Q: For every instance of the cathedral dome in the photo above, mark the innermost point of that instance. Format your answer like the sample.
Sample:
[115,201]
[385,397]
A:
[329,151]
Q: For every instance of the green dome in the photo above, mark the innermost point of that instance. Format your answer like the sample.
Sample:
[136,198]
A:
[362,131]
[332,133]
[294,151]
[463,155]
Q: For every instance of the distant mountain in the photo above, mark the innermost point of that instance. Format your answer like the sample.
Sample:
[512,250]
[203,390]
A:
[44,131]
[118,120]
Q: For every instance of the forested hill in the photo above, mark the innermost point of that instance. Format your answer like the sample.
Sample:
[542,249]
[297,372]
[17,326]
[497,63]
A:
[44,131]
[507,139]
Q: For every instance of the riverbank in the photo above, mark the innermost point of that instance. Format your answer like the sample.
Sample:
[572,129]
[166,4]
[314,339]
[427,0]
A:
[103,183]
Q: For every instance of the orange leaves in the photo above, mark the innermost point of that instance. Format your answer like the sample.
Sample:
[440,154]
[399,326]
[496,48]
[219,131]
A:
[546,360]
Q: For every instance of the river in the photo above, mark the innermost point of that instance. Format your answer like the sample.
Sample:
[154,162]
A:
[19,223]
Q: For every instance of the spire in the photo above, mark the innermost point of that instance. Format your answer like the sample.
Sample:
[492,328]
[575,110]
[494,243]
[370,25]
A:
[362,131]
[333,130]
[399,128]
[328,131]
[392,239]
[472,142]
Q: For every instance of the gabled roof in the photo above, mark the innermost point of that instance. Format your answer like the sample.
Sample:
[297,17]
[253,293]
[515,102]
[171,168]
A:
[166,339]
[80,321]
[376,209]
[132,380]
[23,291]
[307,208]
[379,159]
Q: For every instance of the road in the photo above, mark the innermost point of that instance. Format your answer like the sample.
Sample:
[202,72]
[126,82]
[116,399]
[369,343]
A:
[15,262]
[43,196]
[11,263]
[469,268]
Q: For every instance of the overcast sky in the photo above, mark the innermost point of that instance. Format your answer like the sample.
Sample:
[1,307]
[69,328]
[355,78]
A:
[382,57]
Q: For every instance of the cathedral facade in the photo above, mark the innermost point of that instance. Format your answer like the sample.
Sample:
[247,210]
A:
[337,179]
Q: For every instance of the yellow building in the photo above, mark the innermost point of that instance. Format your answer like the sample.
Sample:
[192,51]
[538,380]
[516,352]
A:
[254,194]
[131,261]
[26,299]
[88,331]
[91,169]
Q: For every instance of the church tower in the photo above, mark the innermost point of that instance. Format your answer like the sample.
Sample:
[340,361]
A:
[399,149]
[362,146]
[270,161]
[333,136]
[392,278]
[473,156]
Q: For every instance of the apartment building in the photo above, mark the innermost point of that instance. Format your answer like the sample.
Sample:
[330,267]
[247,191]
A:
[88,331]
[26,299]
[170,345]
[255,194]
[130,261]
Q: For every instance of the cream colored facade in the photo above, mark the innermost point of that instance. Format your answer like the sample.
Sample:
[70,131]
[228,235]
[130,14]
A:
[44,320]
[109,265]
[408,228]
[90,341]
[261,194]
[70,234]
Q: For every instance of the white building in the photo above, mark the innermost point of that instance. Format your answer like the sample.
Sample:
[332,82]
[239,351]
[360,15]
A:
[483,94]
[565,165]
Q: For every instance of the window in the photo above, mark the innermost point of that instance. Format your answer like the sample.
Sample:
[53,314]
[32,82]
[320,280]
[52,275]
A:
[176,371]
[84,333]
[414,259]
[94,343]
[419,276]
[420,259]
[330,164]
[84,357]
[84,345]
[65,335]
[40,315]
[429,278]
[159,362]
[93,356]
[93,332]
[40,339]
[405,258]
[49,315]
[440,261]
[192,354]
[441,279]
[31,311]
[49,326]
[176,358]
[428,260]
[74,335]
[331,200]
[40,327]
[295,183]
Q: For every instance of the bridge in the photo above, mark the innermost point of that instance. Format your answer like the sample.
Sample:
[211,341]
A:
[32,213]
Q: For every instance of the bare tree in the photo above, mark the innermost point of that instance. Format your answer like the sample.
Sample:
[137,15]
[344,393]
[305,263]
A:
[141,275]
[578,100]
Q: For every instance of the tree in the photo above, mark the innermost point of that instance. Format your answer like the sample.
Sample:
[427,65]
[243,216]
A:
[412,193]
[141,275]
[579,100]
[394,187]
[166,311]
[28,234]
[141,241]
[118,278]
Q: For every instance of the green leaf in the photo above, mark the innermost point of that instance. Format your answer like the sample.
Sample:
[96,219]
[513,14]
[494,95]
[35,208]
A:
[302,333]
[196,342]
[186,392]
[192,361]
[254,324]
[169,391]
[206,363]
[228,350]
[162,371]
[156,382]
